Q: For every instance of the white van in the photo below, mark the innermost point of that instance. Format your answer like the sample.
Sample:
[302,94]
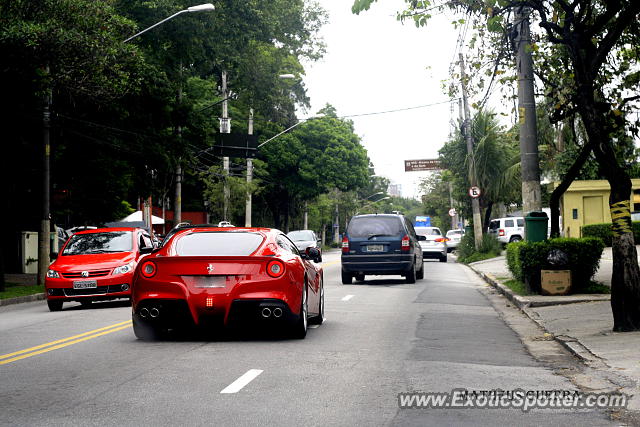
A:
[507,230]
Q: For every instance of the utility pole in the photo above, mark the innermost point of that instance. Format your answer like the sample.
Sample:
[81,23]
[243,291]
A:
[530,166]
[305,225]
[225,127]
[247,210]
[336,227]
[177,201]
[475,203]
[44,239]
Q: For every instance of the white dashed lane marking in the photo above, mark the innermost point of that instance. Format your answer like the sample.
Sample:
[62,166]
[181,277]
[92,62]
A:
[347,298]
[245,379]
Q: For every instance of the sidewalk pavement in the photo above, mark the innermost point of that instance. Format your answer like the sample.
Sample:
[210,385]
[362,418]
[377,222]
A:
[581,323]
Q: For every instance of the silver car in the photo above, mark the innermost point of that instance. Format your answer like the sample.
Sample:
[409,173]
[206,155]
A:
[304,239]
[454,236]
[436,244]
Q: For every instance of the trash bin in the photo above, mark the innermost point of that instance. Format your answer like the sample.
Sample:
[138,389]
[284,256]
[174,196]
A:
[535,226]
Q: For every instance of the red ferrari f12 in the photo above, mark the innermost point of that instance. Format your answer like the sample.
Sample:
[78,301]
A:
[207,274]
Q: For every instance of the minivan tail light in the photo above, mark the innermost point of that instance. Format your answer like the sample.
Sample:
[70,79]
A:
[345,245]
[442,239]
[501,232]
[405,244]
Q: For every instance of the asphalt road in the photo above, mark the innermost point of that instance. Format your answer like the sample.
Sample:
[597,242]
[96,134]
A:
[84,367]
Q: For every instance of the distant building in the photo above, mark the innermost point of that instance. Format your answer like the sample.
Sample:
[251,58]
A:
[587,202]
[395,190]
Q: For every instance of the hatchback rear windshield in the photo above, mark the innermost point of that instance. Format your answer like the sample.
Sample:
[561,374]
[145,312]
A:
[99,243]
[219,243]
[422,231]
[374,226]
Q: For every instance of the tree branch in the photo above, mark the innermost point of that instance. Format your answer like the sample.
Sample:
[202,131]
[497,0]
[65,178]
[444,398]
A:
[625,18]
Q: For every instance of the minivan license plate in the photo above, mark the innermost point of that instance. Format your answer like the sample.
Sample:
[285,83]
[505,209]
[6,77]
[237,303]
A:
[87,284]
[374,248]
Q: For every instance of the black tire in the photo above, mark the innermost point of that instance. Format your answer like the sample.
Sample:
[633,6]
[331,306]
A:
[515,239]
[300,327]
[420,273]
[317,320]
[145,331]
[443,259]
[359,277]
[55,305]
[346,278]
[411,275]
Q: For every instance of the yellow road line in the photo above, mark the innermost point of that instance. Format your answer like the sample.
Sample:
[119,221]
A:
[324,264]
[54,345]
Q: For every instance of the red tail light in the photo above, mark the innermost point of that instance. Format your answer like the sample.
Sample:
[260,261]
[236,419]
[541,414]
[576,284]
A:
[148,269]
[275,268]
[442,239]
[345,245]
[501,232]
[406,244]
[209,302]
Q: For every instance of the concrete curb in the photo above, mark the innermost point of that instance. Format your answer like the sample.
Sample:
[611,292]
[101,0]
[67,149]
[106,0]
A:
[572,345]
[26,298]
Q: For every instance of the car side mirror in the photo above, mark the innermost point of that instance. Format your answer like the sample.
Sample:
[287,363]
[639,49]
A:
[146,249]
[421,237]
[313,254]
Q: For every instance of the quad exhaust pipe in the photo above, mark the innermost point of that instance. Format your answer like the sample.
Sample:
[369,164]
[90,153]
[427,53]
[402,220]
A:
[266,312]
[277,312]
[144,312]
[154,312]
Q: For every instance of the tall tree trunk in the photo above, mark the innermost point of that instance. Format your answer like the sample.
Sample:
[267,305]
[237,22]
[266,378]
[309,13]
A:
[625,279]
[571,175]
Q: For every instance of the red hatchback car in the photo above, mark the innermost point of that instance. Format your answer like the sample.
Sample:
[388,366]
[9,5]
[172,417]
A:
[208,275]
[96,265]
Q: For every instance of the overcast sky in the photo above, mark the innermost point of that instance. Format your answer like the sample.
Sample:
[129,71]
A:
[373,64]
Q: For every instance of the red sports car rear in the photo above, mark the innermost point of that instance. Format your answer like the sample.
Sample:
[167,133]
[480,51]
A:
[206,275]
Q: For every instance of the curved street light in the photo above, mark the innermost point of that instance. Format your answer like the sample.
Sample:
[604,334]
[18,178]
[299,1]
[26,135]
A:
[317,116]
[371,203]
[198,8]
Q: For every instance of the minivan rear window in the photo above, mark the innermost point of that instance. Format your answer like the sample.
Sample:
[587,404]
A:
[368,226]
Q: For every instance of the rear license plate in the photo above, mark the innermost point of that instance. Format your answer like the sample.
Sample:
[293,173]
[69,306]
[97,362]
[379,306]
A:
[375,248]
[206,281]
[87,284]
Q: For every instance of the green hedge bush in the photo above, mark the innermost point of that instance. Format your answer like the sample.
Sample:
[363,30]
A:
[603,231]
[489,248]
[526,259]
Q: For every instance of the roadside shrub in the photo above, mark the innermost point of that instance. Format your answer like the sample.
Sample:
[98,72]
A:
[489,248]
[526,259]
[603,231]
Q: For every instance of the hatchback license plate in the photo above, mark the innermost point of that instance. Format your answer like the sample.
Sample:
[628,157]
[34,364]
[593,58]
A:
[87,284]
[375,248]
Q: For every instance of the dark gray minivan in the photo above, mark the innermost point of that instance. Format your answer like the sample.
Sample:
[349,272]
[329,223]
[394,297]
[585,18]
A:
[381,244]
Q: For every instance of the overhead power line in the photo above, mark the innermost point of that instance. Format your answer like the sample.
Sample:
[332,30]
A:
[396,110]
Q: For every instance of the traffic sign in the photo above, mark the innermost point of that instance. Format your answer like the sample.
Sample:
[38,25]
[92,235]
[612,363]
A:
[474,192]
[422,165]
[452,212]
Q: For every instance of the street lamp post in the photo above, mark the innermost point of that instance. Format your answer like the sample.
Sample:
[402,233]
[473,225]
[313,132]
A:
[177,203]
